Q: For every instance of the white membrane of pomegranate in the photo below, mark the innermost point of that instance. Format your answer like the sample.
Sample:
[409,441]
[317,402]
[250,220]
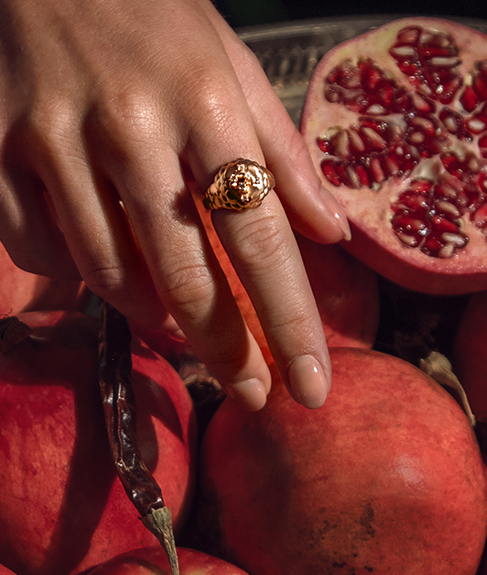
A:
[369,210]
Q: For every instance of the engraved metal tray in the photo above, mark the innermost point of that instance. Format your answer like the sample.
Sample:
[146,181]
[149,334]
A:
[290,51]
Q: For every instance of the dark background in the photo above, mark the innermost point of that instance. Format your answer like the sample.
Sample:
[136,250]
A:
[253,12]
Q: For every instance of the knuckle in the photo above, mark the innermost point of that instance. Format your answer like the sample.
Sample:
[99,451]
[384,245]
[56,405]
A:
[106,280]
[131,113]
[261,244]
[188,288]
[212,105]
[51,119]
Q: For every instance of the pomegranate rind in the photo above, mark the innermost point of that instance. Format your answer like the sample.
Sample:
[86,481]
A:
[373,240]
[62,506]
[469,348]
[387,477]
[153,560]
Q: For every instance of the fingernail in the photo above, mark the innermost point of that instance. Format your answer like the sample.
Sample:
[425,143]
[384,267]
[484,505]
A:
[338,212]
[249,394]
[308,382]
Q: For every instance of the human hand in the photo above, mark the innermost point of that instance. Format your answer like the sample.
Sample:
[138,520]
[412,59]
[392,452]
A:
[109,108]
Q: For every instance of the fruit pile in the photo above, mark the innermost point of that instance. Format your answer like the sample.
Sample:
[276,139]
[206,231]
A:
[101,431]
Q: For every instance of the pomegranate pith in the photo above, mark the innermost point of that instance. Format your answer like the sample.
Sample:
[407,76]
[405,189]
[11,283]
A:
[396,122]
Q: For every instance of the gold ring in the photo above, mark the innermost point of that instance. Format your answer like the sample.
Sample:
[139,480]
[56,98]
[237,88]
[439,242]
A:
[239,185]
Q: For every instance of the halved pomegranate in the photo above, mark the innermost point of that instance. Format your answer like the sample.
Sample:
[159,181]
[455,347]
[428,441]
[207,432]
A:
[396,122]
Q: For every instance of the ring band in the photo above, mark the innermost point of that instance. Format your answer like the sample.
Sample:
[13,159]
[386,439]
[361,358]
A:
[239,185]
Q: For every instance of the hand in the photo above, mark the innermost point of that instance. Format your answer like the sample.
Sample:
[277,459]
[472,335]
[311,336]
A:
[109,108]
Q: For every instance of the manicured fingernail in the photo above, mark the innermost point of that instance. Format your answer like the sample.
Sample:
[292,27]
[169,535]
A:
[249,394]
[335,208]
[308,382]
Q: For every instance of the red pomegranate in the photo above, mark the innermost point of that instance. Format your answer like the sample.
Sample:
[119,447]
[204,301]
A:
[396,122]
[62,507]
[21,291]
[386,477]
[346,293]
[469,352]
[153,561]
[5,571]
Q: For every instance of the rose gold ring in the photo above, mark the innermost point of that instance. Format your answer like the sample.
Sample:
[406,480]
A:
[239,185]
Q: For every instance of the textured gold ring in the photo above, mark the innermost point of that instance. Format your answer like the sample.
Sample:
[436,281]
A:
[239,185]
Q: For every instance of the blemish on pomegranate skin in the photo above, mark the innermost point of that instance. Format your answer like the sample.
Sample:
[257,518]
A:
[366,521]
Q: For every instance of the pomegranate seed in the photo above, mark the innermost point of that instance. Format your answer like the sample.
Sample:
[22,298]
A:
[479,85]
[482,183]
[362,175]
[324,145]
[421,103]
[375,140]
[328,169]
[457,240]
[480,217]
[333,95]
[339,144]
[483,146]
[357,145]
[441,224]
[476,125]
[469,99]
[447,250]
[409,35]
[432,246]
[448,208]
[444,61]
[376,171]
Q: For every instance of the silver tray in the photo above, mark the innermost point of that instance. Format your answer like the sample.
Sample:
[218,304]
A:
[289,52]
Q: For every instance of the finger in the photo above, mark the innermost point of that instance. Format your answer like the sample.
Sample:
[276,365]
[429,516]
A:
[29,231]
[94,224]
[262,247]
[185,271]
[312,209]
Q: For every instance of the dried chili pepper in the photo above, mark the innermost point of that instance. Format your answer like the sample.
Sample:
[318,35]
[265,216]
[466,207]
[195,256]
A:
[115,380]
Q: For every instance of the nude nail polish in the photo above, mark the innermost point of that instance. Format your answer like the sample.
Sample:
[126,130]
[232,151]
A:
[308,382]
[249,394]
[338,212]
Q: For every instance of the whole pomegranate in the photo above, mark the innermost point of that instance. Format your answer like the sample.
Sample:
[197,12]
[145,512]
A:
[396,122]
[386,477]
[346,293]
[469,351]
[62,506]
[21,291]
[153,561]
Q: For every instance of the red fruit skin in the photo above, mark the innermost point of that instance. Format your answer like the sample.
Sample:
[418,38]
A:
[368,209]
[386,478]
[346,293]
[62,507]
[469,352]
[5,571]
[153,561]
[21,291]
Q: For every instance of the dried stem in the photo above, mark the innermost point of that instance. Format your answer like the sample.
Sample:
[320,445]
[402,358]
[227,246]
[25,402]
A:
[115,379]
[438,366]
